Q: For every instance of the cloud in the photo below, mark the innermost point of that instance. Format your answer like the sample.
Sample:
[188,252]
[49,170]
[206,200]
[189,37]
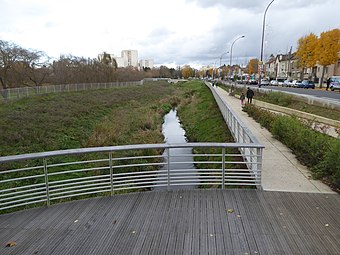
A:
[177,32]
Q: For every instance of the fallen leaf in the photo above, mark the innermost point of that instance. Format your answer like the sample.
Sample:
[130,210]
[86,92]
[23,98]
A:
[11,244]
[114,222]
[326,225]
[134,232]
[230,210]
[211,235]
[75,221]
[238,216]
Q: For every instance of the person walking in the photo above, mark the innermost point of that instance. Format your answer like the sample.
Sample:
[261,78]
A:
[250,95]
[328,82]
[242,97]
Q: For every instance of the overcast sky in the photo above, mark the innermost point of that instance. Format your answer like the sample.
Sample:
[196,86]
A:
[171,32]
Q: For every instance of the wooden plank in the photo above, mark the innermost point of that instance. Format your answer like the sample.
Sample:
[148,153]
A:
[179,222]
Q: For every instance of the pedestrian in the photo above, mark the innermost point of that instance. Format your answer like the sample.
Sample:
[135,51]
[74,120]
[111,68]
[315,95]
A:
[250,95]
[328,82]
[242,97]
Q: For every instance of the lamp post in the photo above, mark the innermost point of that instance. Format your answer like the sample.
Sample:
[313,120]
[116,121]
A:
[231,48]
[221,60]
[262,42]
[222,56]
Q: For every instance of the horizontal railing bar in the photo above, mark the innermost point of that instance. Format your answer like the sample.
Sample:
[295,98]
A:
[78,162]
[21,169]
[53,187]
[139,157]
[23,195]
[125,147]
[77,179]
[23,200]
[21,187]
[81,194]
[76,185]
[139,165]
[22,178]
[23,204]
[78,170]
[78,190]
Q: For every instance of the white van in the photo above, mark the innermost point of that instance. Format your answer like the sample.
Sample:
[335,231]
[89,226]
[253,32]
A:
[335,83]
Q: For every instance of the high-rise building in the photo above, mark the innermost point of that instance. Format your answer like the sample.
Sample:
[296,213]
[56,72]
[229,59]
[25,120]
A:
[146,63]
[130,58]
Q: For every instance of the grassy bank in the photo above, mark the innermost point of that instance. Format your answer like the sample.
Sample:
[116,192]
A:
[319,152]
[120,116]
[83,119]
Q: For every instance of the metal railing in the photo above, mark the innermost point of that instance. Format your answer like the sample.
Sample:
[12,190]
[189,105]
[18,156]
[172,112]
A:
[240,132]
[56,176]
[21,92]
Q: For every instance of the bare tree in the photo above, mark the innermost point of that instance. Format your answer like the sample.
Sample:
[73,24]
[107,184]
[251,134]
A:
[10,54]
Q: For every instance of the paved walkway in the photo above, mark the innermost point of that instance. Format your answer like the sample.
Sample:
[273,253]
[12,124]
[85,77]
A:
[280,170]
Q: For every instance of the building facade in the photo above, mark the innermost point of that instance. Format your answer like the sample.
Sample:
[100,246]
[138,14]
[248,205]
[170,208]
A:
[146,63]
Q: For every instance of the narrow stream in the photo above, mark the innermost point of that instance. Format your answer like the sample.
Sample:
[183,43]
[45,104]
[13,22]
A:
[174,133]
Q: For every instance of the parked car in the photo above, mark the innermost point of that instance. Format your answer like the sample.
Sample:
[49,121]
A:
[273,82]
[264,82]
[295,83]
[287,83]
[280,81]
[306,84]
[253,82]
[335,83]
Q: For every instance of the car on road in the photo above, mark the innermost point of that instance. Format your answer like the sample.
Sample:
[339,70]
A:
[253,82]
[287,83]
[335,83]
[264,82]
[280,81]
[306,84]
[295,83]
[273,82]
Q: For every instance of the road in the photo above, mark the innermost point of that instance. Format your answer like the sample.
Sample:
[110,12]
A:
[330,95]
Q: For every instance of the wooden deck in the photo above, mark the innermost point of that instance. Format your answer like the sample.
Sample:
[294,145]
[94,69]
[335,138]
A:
[180,222]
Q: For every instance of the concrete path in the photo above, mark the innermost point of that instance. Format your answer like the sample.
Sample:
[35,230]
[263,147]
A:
[280,170]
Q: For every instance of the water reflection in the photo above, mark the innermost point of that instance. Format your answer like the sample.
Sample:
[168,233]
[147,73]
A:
[182,170]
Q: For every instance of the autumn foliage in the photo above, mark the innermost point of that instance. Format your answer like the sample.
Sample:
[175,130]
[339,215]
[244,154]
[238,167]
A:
[323,50]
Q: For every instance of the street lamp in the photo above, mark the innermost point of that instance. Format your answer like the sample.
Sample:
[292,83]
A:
[222,56]
[262,42]
[231,48]
[221,62]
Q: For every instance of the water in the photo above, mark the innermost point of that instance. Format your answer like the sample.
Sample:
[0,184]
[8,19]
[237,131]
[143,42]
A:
[181,167]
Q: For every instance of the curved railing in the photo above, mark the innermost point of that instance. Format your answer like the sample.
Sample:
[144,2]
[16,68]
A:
[56,176]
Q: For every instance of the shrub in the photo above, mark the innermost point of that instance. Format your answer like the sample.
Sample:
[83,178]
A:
[319,152]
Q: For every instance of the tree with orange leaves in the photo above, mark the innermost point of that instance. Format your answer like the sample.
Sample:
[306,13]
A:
[306,52]
[328,49]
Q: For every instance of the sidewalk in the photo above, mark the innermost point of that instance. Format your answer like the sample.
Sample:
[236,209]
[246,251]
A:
[280,169]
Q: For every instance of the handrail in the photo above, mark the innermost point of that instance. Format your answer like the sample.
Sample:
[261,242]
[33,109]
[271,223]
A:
[53,176]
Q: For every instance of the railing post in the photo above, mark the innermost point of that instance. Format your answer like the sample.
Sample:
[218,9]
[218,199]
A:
[223,168]
[259,167]
[168,155]
[111,172]
[46,182]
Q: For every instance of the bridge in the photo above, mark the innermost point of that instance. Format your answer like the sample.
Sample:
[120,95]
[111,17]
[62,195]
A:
[246,203]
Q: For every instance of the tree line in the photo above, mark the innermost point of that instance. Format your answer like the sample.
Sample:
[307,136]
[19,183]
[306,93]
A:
[20,67]
[323,50]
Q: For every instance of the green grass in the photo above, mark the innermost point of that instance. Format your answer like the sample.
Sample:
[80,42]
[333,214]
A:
[110,117]
[319,152]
